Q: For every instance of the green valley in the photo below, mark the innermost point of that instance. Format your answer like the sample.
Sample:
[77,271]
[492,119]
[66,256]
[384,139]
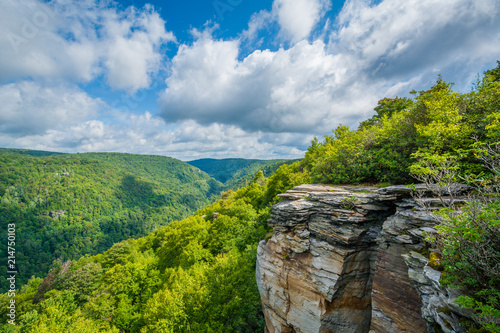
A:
[237,172]
[68,205]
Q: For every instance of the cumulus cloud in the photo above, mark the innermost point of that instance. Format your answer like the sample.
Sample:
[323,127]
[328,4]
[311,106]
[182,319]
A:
[29,108]
[302,89]
[80,40]
[397,38]
[132,57]
[147,134]
[219,102]
[296,18]
[372,51]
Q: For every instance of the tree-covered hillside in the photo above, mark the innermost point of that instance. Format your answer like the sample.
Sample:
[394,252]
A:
[66,206]
[194,275]
[28,152]
[237,172]
[197,274]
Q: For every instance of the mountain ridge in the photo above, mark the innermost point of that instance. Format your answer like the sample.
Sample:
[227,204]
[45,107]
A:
[68,205]
[237,172]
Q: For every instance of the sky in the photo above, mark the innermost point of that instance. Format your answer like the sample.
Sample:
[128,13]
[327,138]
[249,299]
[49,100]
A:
[224,78]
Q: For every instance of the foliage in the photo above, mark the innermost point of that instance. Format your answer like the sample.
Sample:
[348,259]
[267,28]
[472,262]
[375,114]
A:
[237,172]
[403,131]
[193,275]
[386,108]
[65,206]
[470,246]
[469,239]
[27,152]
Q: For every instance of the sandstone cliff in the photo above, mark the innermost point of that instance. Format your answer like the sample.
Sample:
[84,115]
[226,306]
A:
[348,259]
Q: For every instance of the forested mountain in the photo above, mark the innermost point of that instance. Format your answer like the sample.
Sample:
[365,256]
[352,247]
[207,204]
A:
[195,275]
[198,274]
[28,152]
[68,205]
[237,172]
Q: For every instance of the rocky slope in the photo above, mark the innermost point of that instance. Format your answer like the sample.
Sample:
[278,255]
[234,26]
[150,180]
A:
[348,259]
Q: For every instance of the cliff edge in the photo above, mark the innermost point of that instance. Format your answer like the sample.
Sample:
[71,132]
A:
[349,260]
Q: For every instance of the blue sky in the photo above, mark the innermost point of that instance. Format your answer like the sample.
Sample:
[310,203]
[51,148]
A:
[225,78]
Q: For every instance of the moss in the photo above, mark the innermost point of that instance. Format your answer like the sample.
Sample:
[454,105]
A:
[349,203]
[447,312]
[437,328]
[466,322]
[268,236]
[423,251]
[447,324]
[478,330]
[444,310]
[435,262]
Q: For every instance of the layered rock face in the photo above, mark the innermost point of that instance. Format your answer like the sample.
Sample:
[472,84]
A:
[346,259]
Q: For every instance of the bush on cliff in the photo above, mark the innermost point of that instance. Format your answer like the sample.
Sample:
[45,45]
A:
[470,247]
[469,238]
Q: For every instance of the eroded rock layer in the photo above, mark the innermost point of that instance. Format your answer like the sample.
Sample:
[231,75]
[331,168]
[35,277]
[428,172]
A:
[346,259]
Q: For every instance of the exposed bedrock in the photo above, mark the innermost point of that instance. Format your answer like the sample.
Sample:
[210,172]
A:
[346,259]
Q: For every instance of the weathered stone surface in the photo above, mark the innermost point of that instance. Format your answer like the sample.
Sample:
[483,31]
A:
[345,259]
[438,303]
[424,190]
[315,273]
[55,214]
[396,303]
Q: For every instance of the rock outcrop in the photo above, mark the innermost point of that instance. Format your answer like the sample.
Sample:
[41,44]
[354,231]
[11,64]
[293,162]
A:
[347,259]
[55,214]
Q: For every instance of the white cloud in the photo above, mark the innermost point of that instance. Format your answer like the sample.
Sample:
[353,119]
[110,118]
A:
[146,134]
[79,40]
[297,18]
[377,50]
[302,89]
[28,108]
[218,103]
[132,57]
[396,38]
[258,21]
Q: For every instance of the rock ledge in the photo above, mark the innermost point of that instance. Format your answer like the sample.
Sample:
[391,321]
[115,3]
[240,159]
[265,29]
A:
[346,259]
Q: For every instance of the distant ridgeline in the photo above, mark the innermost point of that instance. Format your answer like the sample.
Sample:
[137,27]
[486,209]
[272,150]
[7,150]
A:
[28,152]
[198,274]
[237,172]
[68,205]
